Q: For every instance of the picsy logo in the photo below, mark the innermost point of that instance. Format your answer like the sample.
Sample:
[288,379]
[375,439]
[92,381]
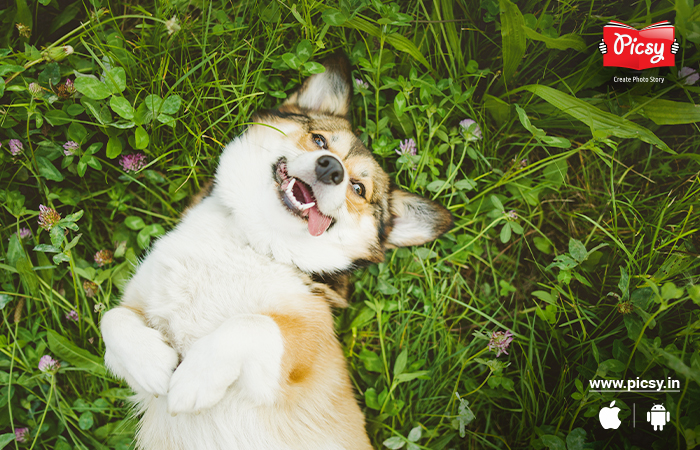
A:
[653,46]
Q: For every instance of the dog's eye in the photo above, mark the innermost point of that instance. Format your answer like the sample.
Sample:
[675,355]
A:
[320,141]
[359,189]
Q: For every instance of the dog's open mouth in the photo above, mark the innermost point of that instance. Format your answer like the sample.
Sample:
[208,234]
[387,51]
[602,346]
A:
[299,198]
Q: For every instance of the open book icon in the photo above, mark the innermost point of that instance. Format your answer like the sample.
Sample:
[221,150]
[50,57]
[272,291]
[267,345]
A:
[638,49]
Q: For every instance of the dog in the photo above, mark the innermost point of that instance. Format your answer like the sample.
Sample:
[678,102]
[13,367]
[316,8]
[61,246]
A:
[225,331]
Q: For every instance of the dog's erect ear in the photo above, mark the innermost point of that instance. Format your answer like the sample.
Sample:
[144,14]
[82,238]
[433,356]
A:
[416,220]
[329,92]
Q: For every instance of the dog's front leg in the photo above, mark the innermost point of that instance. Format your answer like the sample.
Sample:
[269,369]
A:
[246,349]
[136,352]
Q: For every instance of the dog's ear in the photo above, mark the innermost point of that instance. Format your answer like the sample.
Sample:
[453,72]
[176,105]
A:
[415,219]
[329,92]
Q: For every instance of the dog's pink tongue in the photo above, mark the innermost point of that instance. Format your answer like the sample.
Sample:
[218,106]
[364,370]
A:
[318,223]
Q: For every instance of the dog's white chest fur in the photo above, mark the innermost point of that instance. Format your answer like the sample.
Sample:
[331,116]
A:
[204,273]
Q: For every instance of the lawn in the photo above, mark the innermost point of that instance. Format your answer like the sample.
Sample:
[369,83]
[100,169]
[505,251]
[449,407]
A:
[575,200]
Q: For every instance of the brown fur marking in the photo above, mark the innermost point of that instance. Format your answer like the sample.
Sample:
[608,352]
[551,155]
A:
[137,309]
[301,337]
[199,196]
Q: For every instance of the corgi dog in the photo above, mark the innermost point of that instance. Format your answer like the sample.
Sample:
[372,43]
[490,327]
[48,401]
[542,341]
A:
[225,332]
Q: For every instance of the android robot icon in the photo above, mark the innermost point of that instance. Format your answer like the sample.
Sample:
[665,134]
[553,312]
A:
[658,417]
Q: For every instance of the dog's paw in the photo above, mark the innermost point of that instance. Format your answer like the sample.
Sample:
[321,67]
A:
[137,353]
[199,382]
[246,349]
[147,368]
[153,367]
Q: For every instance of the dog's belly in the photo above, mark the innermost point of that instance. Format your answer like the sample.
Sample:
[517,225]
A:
[193,290]
[230,425]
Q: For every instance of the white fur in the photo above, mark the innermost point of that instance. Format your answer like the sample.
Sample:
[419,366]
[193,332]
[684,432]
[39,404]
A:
[230,353]
[327,93]
[140,355]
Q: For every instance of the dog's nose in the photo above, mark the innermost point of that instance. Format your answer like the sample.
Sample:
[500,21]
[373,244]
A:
[329,170]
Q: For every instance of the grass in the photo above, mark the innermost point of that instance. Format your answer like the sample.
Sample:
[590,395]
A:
[576,214]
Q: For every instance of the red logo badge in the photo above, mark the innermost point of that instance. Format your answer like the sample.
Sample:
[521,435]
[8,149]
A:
[624,46]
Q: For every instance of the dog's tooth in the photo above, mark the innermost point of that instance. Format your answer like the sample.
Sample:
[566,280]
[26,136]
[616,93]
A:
[291,185]
[293,199]
[306,206]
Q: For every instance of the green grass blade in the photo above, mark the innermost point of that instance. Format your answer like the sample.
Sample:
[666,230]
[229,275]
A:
[564,42]
[513,37]
[78,357]
[452,36]
[595,118]
[683,8]
[399,42]
[667,112]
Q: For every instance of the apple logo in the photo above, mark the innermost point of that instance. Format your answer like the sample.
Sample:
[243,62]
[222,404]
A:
[608,416]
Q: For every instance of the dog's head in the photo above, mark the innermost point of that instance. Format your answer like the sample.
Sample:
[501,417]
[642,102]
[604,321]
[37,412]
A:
[304,189]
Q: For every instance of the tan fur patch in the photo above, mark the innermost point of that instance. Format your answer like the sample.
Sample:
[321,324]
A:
[301,335]
[317,395]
